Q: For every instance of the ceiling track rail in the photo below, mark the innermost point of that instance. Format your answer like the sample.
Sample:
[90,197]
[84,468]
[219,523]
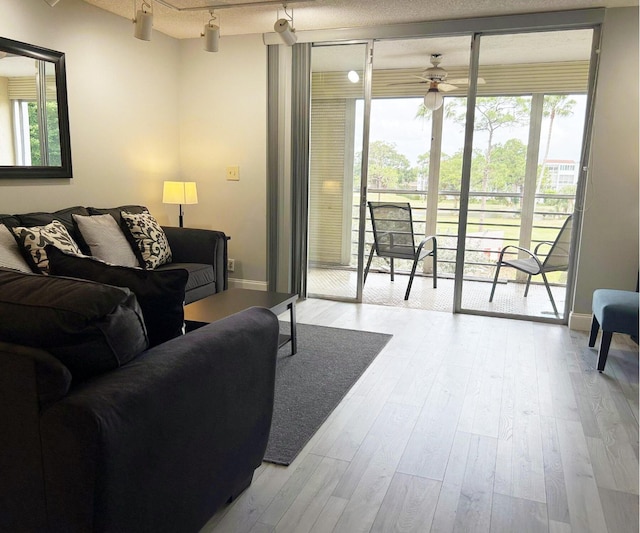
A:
[213,7]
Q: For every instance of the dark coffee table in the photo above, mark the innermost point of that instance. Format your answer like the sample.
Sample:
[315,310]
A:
[231,301]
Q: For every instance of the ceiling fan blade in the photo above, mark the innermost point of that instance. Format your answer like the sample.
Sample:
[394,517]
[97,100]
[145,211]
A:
[446,87]
[407,83]
[465,81]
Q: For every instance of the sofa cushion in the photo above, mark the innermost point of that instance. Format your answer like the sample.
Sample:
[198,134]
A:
[33,241]
[160,293]
[105,239]
[89,327]
[10,255]
[200,274]
[148,238]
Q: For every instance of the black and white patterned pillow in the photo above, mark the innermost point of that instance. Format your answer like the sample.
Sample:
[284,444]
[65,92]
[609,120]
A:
[34,240]
[149,239]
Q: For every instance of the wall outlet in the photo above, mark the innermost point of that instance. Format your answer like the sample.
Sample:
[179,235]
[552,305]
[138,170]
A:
[233,173]
[231,265]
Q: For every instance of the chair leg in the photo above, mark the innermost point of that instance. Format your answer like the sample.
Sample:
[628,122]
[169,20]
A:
[546,284]
[435,267]
[595,327]
[495,280]
[526,289]
[604,349]
[366,270]
[413,271]
[392,269]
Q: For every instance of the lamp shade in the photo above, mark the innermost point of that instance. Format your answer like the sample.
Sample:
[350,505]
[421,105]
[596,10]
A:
[433,99]
[180,192]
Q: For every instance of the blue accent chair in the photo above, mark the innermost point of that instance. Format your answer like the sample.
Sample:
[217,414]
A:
[614,311]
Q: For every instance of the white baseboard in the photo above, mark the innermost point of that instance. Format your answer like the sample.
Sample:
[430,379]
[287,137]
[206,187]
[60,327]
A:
[579,321]
[235,283]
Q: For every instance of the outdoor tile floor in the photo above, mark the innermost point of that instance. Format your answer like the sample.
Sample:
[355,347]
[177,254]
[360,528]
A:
[508,299]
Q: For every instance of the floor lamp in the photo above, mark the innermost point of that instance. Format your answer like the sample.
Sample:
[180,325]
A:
[180,192]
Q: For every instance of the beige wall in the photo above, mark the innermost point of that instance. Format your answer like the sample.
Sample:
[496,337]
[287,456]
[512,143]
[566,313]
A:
[122,108]
[223,122]
[608,256]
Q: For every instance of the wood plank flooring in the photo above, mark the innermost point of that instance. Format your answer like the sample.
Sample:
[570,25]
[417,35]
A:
[461,424]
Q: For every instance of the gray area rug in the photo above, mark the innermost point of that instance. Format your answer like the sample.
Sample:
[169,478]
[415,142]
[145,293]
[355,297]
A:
[310,384]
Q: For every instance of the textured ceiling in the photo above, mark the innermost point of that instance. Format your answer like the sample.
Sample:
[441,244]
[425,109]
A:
[326,14]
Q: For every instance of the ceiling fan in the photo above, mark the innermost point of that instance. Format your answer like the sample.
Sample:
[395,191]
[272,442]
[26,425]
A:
[437,76]
[438,82]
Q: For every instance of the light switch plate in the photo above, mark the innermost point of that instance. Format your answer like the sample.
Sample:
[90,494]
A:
[233,173]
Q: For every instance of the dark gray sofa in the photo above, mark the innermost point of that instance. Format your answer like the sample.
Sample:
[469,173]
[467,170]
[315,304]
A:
[203,253]
[156,443]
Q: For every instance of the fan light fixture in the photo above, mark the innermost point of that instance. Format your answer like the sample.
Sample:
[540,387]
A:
[143,21]
[284,28]
[433,99]
[211,34]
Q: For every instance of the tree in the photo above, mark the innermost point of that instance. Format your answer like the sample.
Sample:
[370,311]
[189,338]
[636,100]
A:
[492,113]
[508,166]
[555,105]
[388,168]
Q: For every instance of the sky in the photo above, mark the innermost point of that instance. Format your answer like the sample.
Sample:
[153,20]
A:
[393,120]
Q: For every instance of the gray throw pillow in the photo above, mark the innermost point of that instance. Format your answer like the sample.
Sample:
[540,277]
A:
[106,240]
[10,256]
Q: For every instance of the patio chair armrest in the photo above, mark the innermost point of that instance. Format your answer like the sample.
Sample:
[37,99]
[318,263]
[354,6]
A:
[425,241]
[522,250]
[548,243]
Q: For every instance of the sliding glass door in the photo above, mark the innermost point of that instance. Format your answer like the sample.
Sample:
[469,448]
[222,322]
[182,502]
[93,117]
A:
[529,119]
[336,186]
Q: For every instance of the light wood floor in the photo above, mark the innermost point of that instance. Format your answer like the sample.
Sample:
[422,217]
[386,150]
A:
[462,423]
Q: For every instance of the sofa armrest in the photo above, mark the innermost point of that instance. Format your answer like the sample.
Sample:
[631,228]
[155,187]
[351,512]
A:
[191,245]
[156,444]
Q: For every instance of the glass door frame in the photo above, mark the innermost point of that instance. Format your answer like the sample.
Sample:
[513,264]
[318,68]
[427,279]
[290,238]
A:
[466,175]
[364,168]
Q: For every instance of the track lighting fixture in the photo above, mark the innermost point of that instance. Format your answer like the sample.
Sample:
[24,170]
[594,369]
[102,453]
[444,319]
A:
[211,34]
[284,28]
[143,21]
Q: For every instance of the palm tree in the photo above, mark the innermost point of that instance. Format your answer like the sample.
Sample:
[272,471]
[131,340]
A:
[555,105]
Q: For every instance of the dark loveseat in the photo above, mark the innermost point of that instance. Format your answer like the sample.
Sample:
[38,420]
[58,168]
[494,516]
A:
[99,433]
[203,253]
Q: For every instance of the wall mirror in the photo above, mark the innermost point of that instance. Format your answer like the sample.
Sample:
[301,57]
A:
[34,113]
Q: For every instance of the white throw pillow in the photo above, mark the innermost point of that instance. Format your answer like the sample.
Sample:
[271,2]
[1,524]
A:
[10,256]
[106,240]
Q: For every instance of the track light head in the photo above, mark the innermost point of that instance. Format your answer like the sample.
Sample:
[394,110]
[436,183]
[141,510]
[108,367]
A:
[285,31]
[211,37]
[143,22]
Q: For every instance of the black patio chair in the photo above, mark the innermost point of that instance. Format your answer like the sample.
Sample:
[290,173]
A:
[556,260]
[394,239]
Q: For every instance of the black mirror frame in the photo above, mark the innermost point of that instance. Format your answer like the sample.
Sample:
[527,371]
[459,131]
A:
[58,59]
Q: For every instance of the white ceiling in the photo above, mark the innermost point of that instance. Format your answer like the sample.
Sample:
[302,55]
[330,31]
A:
[327,14]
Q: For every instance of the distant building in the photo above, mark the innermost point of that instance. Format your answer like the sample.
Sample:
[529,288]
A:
[561,173]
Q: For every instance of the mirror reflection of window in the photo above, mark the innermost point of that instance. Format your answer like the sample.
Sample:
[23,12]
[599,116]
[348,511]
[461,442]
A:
[29,128]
